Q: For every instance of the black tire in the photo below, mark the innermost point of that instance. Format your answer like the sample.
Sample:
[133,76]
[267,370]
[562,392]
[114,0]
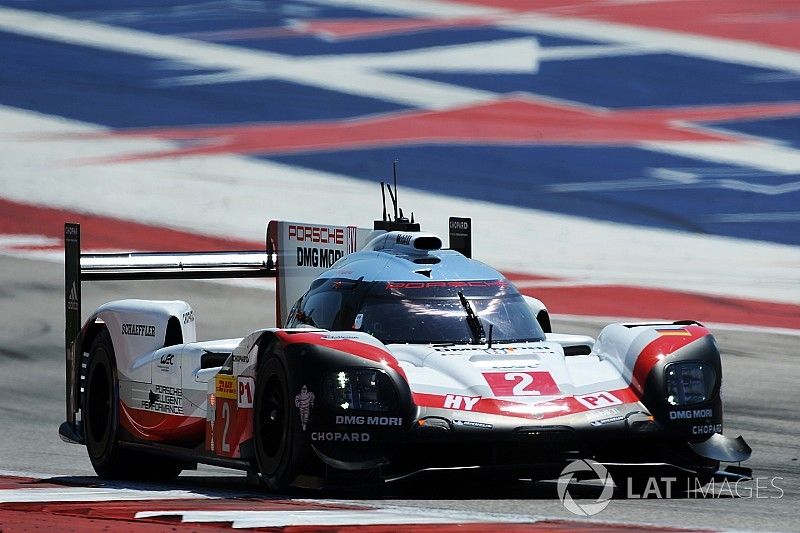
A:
[277,453]
[101,411]
[101,422]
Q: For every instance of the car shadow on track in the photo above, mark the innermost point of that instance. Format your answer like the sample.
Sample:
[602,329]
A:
[425,486]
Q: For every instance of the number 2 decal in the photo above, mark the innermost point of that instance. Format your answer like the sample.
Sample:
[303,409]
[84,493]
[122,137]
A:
[521,387]
[521,383]
[226,417]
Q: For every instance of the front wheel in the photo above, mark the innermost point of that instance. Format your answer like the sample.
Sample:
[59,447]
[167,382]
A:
[277,452]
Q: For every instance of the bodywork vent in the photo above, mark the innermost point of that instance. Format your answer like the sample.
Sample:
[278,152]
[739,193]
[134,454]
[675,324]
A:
[213,359]
[545,433]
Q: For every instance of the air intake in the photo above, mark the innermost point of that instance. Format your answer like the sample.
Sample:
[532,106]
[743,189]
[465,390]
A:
[427,243]
[414,244]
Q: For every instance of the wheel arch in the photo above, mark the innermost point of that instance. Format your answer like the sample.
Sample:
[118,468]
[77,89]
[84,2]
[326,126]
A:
[86,338]
[540,311]
[89,333]
[265,341]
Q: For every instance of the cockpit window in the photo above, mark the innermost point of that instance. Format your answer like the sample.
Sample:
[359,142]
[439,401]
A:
[324,306]
[320,309]
[425,312]
[432,312]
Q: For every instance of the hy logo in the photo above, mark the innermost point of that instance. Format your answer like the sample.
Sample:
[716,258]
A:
[594,469]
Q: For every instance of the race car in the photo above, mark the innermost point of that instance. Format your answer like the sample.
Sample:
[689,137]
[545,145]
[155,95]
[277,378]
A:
[391,355]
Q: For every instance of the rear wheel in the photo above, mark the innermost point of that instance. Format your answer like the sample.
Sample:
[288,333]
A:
[100,410]
[101,422]
[276,450]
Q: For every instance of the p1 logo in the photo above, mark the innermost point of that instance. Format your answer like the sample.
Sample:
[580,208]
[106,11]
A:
[596,400]
[246,386]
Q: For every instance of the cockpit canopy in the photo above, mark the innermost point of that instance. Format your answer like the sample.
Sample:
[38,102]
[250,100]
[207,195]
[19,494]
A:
[419,312]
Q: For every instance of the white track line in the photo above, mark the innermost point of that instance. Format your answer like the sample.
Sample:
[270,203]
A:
[703,46]
[234,196]
[268,285]
[339,517]
[354,74]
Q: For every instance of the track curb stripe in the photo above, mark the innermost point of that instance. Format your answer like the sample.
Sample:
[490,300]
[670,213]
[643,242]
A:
[84,508]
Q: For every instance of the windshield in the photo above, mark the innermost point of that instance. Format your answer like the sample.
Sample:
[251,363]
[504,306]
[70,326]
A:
[433,313]
[419,312]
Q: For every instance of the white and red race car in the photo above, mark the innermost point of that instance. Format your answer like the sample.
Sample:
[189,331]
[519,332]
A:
[391,355]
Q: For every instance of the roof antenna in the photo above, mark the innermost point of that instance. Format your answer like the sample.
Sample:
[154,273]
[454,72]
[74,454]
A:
[383,197]
[394,171]
[399,222]
[394,201]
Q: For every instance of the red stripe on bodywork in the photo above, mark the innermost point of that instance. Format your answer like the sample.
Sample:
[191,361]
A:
[660,348]
[161,427]
[566,405]
[355,347]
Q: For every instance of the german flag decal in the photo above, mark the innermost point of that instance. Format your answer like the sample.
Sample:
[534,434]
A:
[675,332]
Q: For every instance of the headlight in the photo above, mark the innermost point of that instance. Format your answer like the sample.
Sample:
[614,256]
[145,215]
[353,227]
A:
[360,390]
[689,383]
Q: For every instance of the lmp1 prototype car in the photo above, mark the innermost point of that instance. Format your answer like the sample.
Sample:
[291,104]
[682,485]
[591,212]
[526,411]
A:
[392,355]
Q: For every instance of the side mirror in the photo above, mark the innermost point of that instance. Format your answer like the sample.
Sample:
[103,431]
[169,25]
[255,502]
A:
[540,312]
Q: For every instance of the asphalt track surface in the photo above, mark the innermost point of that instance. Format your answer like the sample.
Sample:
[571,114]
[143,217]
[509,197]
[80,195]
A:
[757,366]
